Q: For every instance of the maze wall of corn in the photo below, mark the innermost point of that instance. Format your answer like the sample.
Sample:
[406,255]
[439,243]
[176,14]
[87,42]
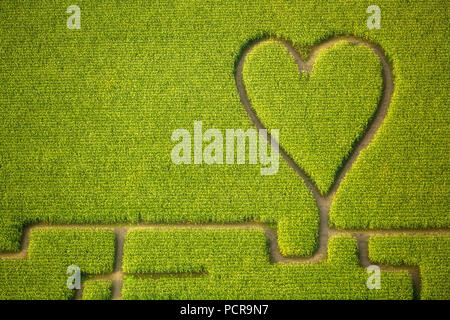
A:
[92,91]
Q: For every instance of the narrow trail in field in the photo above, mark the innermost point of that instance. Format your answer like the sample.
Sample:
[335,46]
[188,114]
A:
[323,202]
[116,277]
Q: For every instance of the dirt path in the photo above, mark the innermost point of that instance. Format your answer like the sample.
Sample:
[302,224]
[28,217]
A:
[275,256]
[323,202]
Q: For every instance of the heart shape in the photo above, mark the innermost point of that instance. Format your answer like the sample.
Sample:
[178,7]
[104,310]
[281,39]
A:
[321,107]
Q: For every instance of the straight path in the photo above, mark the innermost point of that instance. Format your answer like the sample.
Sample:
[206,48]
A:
[323,201]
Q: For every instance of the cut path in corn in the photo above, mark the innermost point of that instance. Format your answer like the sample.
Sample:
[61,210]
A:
[120,231]
[323,201]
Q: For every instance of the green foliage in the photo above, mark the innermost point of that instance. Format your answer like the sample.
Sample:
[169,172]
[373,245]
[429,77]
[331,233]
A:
[298,235]
[87,114]
[10,233]
[430,253]
[42,275]
[87,140]
[342,250]
[97,290]
[234,264]
[322,114]
[402,179]
[87,117]
[90,249]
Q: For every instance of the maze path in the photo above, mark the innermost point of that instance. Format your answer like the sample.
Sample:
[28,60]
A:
[323,201]
[275,256]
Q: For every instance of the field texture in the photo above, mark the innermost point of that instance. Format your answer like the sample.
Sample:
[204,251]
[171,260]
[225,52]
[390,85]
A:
[235,265]
[86,176]
[321,114]
[42,274]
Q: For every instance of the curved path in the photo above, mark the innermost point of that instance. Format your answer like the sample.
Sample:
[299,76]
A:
[323,201]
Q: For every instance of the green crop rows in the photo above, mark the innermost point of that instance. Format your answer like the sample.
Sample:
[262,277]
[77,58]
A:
[320,115]
[87,117]
[87,140]
[430,253]
[206,263]
[234,264]
[43,273]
